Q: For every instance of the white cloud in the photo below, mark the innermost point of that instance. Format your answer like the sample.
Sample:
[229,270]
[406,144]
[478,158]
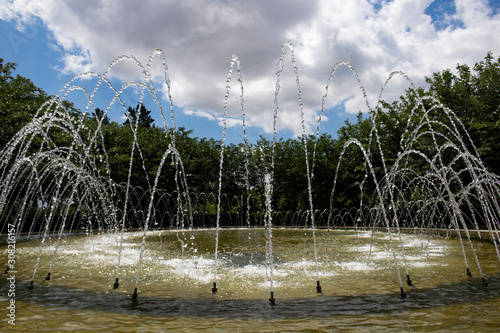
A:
[199,37]
[230,121]
[202,114]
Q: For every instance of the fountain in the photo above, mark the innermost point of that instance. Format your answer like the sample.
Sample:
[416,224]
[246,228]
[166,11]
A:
[78,242]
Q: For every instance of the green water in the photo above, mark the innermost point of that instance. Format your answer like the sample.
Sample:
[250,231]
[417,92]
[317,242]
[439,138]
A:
[357,272]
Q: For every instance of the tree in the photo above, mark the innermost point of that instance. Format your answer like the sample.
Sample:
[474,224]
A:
[474,95]
[131,115]
[144,118]
[201,160]
[99,114]
[19,101]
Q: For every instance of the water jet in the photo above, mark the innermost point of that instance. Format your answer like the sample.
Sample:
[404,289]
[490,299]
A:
[68,212]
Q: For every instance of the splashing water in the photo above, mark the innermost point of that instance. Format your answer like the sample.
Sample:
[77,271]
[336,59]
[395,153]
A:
[75,196]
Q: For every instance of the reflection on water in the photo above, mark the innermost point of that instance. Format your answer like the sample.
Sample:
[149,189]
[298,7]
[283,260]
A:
[356,269]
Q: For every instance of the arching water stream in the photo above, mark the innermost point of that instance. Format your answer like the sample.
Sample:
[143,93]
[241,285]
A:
[438,223]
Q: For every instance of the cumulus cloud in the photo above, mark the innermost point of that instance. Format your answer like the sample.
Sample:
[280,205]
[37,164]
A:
[199,37]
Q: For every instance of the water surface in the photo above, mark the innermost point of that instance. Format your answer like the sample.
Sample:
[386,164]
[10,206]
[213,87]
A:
[356,269]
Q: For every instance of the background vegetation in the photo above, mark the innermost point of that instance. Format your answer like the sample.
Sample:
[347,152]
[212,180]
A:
[473,94]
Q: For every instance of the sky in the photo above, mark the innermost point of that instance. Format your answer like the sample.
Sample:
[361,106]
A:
[193,43]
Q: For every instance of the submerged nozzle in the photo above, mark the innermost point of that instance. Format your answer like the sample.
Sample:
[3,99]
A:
[403,294]
[272,300]
[47,278]
[30,287]
[214,288]
[116,284]
[318,287]
[134,296]
[485,284]
[408,280]
[468,273]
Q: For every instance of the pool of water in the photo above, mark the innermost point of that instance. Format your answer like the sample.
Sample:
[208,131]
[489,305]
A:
[357,271]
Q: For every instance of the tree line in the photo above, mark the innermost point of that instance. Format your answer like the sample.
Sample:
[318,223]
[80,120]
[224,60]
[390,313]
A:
[473,94]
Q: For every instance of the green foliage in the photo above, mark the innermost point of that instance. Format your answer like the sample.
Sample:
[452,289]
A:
[473,94]
[99,116]
[19,101]
[144,118]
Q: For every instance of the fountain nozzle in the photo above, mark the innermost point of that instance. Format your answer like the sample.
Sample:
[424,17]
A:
[214,289]
[47,278]
[408,280]
[403,294]
[272,300]
[134,296]
[116,284]
[30,287]
[485,284]
[468,273]
[318,287]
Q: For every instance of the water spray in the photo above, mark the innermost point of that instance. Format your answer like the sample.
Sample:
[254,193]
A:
[407,140]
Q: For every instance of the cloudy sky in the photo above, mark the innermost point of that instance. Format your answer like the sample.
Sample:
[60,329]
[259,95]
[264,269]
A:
[52,41]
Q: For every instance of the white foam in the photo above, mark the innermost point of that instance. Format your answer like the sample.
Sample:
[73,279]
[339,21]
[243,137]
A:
[356,266]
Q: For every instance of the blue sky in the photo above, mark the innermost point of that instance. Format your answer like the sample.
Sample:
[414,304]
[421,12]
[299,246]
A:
[52,41]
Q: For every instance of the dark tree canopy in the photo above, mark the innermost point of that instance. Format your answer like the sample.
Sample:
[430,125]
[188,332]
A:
[19,101]
[473,94]
[144,117]
[100,116]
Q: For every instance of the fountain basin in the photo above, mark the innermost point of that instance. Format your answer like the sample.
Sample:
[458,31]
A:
[356,270]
